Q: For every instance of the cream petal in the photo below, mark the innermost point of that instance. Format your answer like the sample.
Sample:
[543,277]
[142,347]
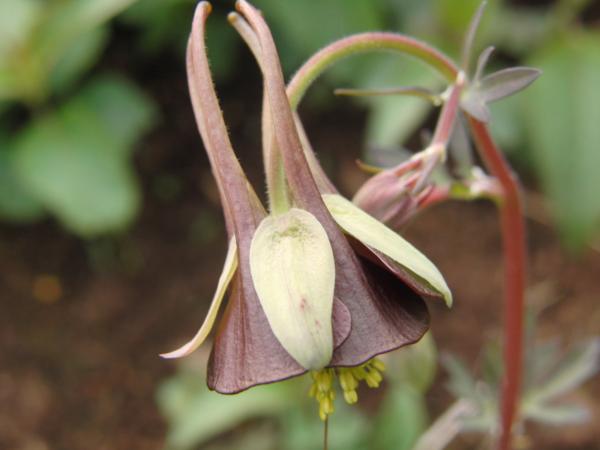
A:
[229,268]
[376,235]
[293,271]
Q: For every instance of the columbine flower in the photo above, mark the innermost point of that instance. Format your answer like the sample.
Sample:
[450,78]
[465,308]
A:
[302,298]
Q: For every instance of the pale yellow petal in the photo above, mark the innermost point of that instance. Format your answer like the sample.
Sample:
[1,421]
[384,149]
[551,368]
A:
[376,235]
[293,271]
[229,268]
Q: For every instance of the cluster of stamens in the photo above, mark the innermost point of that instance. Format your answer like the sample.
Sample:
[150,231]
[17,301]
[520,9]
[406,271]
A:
[323,390]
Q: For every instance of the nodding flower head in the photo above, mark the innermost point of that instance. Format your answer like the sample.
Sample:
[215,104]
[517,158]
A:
[316,284]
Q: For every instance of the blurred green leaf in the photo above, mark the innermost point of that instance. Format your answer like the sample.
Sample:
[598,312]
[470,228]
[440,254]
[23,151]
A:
[506,82]
[16,204]
[67,21]
[196,414]
[415,365]
[123,109]
[401,420]
[79,57]
[461,384]
[492,366]
[580,364]
[508,127]
[455,17]
[261,436]
[165,22]
[302,429]
[556,415]
[328,21]
[543,357]
[394,119]
[17,18]
[563,110]
[494,87]
[37,38]
[76,160]
[529,27]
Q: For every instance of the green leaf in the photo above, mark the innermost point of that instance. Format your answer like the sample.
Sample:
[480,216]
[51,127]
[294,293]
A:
[16,203]
[75,161]
[294,276]
[17,19]
[562,120]
[401,420]
[416,365]
[496,86]
[67,21]
[556,415]
[376,235]
[124,110]
[392,120]
[79,57]
[506,82]
[328,21]
[196,414]
[348,429]
[461,384]
[474,104]
[580,364]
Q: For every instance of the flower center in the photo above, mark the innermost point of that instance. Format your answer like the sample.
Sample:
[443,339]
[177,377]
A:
[323,390]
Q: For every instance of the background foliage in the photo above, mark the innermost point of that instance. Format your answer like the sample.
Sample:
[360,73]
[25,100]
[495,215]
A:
[49,55]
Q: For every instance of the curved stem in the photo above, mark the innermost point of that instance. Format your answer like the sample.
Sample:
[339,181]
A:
[362,43]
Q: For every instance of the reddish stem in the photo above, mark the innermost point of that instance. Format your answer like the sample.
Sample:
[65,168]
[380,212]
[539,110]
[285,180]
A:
[513,235]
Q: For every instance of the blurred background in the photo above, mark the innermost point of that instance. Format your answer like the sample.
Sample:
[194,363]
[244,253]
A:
[111,235]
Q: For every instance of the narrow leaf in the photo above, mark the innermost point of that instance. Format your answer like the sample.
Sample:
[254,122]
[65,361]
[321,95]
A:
[293,270]
[482,63]
[229,269]
[474,104]
[580,364]
[376,235]
[470,36]
[506,82]
[410,91]
[556,415]
[461,384]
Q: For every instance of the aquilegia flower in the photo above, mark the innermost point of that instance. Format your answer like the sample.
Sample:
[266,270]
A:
[316,284]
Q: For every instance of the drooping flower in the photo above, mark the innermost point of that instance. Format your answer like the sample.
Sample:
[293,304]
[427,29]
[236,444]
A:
[304,296]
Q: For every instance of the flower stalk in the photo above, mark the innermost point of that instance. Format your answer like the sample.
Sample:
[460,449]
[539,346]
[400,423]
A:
[513,232]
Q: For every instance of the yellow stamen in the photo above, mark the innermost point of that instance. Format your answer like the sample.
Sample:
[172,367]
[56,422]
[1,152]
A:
[323,389]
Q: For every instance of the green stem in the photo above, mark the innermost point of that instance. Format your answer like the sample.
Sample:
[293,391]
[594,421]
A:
[326,433]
